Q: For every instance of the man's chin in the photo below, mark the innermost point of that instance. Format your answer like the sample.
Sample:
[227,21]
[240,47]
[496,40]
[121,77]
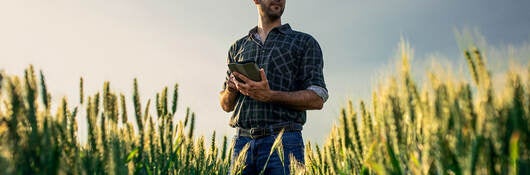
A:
[275,15]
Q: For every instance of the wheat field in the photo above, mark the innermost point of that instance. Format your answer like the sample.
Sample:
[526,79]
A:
[444,126]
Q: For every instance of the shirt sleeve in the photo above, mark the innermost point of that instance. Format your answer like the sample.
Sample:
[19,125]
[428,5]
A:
[312,69]
[323,93]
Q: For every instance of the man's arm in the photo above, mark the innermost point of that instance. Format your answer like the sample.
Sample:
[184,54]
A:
[298,100]
[260,91]
[228,95]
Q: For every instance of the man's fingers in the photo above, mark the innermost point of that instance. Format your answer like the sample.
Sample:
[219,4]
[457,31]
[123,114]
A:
[232,85]
[241,86]
[242,77]
[263,75]
[233,79]
[245,93]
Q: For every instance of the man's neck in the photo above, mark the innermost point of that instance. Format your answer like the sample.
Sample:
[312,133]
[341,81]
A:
[265,25]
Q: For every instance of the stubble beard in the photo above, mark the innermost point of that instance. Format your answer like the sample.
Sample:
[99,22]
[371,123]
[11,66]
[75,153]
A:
[273,15]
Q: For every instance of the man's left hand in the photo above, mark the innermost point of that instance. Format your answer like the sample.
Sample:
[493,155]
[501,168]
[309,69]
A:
[257,90]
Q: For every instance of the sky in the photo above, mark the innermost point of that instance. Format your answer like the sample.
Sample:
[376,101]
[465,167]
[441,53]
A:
[163,42]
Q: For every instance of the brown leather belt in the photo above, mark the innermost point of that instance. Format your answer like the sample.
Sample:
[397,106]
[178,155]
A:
[256,133]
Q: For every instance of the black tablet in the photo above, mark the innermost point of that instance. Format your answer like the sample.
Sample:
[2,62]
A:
[249,69]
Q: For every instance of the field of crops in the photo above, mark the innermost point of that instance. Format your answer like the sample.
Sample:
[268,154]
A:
[445,126]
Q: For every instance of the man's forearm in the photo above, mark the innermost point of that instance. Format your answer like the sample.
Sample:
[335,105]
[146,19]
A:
[298,100]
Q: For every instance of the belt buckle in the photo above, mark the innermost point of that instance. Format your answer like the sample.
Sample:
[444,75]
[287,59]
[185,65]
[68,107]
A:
[255,134]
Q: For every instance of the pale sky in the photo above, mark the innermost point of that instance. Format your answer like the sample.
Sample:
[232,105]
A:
[162,42]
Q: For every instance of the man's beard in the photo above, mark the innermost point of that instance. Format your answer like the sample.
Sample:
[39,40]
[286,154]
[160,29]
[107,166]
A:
[272,15]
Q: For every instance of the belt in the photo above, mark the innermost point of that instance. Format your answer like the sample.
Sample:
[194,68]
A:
[256,133]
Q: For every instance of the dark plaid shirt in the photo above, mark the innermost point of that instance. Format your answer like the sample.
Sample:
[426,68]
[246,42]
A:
[292,61]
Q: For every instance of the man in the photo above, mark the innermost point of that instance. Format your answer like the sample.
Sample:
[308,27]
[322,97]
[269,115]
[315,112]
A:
[291,83]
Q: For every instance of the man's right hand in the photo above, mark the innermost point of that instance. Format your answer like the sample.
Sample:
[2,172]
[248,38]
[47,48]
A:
[231,85]
[229,94]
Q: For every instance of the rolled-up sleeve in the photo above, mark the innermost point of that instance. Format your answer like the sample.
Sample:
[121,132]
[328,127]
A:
[320,91]
[312,69]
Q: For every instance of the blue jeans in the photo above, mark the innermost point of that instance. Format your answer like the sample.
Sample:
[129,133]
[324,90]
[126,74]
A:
[259,151]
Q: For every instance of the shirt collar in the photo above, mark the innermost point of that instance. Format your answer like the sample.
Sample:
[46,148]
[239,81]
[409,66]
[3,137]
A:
[284,29]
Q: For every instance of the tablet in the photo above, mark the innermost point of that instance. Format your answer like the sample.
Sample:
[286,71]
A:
[249,69]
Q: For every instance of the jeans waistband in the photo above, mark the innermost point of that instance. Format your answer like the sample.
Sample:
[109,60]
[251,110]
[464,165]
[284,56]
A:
[256,133]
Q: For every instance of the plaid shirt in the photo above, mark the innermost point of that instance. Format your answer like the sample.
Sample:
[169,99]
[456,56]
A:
[292,61]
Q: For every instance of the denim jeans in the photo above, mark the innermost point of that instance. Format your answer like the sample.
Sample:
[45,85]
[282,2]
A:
[259,151]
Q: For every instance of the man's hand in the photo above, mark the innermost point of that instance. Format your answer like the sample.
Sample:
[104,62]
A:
[259,91]
[229,94]
[231,85]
